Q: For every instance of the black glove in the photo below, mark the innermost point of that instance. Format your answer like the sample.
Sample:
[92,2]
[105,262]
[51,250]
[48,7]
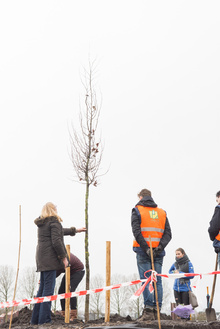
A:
[148,252]
[157,251]
[217,250]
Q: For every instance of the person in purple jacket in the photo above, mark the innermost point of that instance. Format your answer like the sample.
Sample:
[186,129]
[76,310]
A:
[76,275]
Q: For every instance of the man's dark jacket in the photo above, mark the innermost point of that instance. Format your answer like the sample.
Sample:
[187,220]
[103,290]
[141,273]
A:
[50,249]
[147,201]
[214,225]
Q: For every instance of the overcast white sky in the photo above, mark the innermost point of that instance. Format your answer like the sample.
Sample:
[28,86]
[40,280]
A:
[159,75]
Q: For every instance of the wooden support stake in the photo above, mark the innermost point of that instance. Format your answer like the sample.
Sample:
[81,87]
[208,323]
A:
[108,280]
[173,315]
[67,300]
[155,284]
[19,252]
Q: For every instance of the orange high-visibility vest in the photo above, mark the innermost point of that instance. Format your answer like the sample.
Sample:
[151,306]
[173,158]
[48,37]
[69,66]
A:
[152,224]
[218,236]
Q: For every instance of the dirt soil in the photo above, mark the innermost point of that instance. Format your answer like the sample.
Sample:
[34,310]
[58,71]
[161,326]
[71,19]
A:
[116,321]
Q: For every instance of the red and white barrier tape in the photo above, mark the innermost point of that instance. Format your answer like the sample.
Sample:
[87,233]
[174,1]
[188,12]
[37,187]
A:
[149,280]
[66,295]
[152,278]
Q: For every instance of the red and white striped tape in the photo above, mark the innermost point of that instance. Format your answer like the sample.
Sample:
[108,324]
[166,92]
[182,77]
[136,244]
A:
[151,279]
[37,300]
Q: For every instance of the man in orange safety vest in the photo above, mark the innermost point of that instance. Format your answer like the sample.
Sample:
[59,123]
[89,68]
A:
[150,223]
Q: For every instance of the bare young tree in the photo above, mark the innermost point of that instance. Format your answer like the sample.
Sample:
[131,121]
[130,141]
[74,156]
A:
[81,300]
[97,300]
[135,305]
[86,154]
[119,297]
[7,277]
[28,283]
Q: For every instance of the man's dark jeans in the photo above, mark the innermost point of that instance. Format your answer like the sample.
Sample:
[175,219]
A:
[219,260]
[144,264]
[42,312]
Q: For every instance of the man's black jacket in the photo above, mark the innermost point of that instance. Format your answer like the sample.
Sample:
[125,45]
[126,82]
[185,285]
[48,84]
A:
[147,201]
[214,225]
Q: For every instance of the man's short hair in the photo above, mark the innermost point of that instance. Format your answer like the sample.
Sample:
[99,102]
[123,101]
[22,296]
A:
[144,192]
[218,194]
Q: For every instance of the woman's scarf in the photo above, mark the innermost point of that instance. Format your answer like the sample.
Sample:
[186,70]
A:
[182,265]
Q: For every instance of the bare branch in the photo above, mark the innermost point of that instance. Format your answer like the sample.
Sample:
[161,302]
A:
[86,148]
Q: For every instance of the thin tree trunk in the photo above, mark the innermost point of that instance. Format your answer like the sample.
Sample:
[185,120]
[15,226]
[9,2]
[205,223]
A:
[87,215]
[87,253]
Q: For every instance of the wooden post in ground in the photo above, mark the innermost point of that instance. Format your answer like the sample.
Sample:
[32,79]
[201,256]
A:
[67,300]
[108,280]
[173,315]
[155,284]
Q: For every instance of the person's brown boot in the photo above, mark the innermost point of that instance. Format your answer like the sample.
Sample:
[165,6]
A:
[63,313]
[73,315]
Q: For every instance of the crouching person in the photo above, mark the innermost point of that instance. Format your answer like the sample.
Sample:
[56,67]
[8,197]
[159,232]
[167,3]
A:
[76,275]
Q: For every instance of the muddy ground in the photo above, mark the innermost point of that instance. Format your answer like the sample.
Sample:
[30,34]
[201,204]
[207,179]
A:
[116,321]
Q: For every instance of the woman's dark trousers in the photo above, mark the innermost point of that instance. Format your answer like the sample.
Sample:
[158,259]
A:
[42,312]
[181,297]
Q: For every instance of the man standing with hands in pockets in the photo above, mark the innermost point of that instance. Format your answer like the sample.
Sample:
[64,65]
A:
[147,220]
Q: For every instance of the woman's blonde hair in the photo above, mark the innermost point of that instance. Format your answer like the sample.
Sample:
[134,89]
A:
[48,210]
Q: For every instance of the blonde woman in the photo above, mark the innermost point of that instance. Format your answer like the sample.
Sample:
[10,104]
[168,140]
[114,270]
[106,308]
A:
[51,256]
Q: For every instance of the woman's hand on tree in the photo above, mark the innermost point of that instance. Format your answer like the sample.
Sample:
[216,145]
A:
[82,229]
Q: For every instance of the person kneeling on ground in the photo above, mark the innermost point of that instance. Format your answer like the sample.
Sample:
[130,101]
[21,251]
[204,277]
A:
[76,275]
